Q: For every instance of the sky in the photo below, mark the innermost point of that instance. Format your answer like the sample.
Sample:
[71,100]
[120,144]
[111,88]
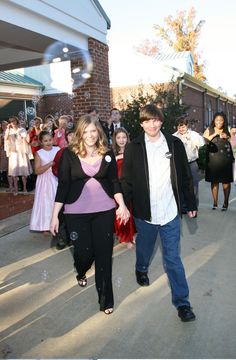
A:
[132,22]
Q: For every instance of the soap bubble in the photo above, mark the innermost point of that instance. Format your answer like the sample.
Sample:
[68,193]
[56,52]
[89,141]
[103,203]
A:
[70,125]
[21,114]
[35,99]
[118,281]
[31,123]
[73,235]
[82,65]
[44,275]
[30,111]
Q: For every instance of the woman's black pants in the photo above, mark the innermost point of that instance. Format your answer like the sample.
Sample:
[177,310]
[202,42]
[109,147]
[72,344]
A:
[92,237]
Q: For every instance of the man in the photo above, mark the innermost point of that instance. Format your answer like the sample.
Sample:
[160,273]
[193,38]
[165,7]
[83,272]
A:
[155,171]
[192,142]
[114,123]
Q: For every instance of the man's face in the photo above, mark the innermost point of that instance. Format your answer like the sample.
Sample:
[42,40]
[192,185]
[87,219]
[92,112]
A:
[182,129]
[115,116]
[152,127]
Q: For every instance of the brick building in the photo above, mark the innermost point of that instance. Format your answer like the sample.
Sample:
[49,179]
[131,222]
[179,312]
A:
[202,99]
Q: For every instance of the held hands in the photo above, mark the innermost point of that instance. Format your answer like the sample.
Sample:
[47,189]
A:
[54,226]
[122,214]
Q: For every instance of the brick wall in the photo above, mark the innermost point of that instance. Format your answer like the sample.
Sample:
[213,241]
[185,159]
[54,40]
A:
[96,90]
[55,104]
[194,99]
[11,205]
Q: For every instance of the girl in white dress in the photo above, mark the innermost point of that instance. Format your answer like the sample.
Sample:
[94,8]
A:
[19,154]
[46,184]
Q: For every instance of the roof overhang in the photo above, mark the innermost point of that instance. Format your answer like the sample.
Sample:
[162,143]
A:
[27,28]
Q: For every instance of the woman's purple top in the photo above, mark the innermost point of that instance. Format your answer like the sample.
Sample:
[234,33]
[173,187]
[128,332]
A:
[93,198]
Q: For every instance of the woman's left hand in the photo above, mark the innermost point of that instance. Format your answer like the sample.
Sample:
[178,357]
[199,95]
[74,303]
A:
[122,214]
[223,135]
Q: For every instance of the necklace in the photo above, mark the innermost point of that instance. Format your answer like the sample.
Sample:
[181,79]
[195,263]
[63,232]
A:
[93,153]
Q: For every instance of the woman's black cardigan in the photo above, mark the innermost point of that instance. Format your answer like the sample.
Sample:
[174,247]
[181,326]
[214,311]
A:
[72,178]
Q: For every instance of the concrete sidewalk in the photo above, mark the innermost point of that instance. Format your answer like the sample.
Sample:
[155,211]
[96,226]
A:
[45,314]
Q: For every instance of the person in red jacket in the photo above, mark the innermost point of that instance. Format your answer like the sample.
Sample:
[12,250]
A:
[68,137]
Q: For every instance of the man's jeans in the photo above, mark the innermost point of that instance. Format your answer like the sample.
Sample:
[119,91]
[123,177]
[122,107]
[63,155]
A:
[170,243]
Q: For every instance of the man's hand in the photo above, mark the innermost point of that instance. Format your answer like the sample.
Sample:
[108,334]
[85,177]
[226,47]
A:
[192,214]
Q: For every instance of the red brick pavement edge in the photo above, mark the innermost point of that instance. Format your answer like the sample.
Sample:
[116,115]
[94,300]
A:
[11,205]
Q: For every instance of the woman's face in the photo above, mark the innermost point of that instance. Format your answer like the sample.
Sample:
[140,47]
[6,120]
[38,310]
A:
[219,122]
[90,135]
[13,122]
[121,139]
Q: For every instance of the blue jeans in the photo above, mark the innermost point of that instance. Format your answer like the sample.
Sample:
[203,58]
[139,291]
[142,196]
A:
[170,243]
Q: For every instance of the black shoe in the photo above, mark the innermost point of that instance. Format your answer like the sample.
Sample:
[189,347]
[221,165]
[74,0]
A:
[142,278]
[82,281]
[185,313]
[60,244]
[214,207]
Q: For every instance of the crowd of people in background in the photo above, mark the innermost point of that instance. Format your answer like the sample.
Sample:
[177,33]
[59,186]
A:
[81,171]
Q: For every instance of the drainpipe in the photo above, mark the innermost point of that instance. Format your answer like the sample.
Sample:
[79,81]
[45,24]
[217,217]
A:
[204,108]
[180,89]
[217,103]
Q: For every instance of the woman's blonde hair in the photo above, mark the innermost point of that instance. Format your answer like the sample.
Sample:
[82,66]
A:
[115,147]
[77,145]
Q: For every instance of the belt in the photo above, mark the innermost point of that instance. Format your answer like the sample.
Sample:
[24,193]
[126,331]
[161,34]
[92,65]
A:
[190,162]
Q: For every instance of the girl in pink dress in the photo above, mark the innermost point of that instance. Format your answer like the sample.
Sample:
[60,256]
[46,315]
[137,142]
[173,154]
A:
[125,233]
[46,184]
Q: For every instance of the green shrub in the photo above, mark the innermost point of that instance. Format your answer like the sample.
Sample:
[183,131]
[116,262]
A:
[166,99]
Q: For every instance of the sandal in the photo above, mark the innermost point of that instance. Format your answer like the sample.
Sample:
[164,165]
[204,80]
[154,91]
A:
[108,311]
[82,281]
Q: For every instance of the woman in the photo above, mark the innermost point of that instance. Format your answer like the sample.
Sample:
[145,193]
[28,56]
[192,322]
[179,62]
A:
[19,153]
[219,158]
[3,155]
[87,186]
[49,124]
[34,134]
